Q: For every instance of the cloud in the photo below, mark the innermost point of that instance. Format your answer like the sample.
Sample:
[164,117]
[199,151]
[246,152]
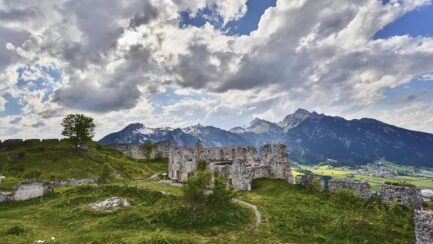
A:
[2,104]
[112,56]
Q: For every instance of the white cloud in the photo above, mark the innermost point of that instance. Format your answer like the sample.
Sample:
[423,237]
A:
[317,55]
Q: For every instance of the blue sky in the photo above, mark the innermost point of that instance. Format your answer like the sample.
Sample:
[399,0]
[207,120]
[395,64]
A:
[143,64]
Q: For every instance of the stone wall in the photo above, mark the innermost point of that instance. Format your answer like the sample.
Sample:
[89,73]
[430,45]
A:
[136,151]
[424,226]
[29,190]
[162,149]
[11,144]
[240,164]
[131,150]
[360,189]
[409,196]
[304,180]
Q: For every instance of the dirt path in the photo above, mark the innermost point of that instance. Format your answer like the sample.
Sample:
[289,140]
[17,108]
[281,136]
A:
[254,207]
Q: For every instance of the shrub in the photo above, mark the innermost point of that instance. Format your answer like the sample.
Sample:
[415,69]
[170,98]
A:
[195,189]
[394,183]
[221,193]
[15,230]
[106,173]
[201,165]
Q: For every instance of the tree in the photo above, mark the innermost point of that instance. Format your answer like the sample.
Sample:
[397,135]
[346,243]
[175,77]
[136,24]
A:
[148,148]
[78,129]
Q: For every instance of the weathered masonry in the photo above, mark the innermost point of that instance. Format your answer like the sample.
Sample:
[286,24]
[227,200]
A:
[240,164]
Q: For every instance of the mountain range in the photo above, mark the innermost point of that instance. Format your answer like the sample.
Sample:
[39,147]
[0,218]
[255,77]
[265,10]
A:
[310,138]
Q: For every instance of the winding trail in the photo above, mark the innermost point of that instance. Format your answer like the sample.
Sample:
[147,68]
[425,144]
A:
[254,207]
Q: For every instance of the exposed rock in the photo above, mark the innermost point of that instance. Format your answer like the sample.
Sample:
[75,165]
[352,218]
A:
[77,182]
[30,190]
[359,188]
[73,182]
[424,226]
[408,196]
[427,193]
[4,197]
[112,203]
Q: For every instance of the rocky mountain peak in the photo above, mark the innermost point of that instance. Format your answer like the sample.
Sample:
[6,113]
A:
[134,126]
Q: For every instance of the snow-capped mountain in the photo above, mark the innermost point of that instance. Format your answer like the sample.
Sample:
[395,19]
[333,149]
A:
[310,138]
[138,133]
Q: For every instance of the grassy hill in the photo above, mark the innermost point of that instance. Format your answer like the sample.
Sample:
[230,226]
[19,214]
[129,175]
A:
[290,213]
[57,161]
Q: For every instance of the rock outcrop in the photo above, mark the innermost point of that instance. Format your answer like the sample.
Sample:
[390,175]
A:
[4,197]
[424,226]
[29,190]
[110,204]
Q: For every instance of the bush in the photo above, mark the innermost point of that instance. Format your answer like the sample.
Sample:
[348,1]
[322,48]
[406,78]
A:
[221,193]
[195,189]
[394,183]
[201,165]
[15,230]
[106,173]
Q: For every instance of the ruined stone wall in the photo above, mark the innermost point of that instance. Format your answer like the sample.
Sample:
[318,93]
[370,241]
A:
[131,150]
[360,189]
[424,226]
[409,196]
[181,163]
[279,166]
[162,149]
[248,154]
[239,179]
[266,156]
[240,164]
[258,172]
[136,151]
[304,180]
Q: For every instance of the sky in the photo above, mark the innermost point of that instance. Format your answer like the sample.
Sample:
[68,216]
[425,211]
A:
[176,63]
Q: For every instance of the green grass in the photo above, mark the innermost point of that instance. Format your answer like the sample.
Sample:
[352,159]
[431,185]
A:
[153,218]
[54,160]
[293,214]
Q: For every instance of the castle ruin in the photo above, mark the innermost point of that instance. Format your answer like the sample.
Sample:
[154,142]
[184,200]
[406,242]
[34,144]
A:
[239,164]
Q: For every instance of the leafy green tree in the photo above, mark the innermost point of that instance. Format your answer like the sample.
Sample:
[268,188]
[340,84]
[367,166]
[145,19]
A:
[148,148]
[78,129]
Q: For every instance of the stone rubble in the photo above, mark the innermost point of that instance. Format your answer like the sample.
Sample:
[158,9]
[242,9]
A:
[110,204]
